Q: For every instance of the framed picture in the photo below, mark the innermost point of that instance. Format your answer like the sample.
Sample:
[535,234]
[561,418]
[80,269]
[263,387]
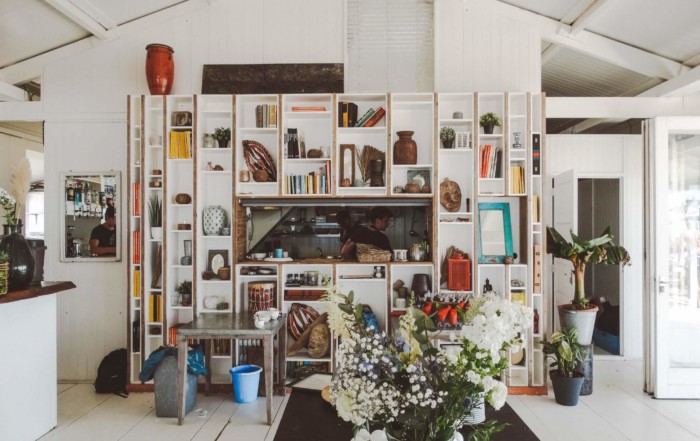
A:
[217,259]
[419,175]
[463,140]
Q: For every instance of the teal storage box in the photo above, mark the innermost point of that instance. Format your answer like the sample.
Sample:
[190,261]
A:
[165,378]
[607,341]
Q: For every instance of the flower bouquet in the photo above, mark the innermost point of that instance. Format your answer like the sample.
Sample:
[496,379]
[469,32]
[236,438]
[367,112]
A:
[405,387]
[9,204]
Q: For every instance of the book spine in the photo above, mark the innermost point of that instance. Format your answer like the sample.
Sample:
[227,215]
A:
[367,115]
[536,154]
[352,114]
[258,116]
[378,115]
[273,115]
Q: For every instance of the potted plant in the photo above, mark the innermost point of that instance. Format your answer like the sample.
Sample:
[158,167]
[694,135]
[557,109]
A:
[447,136]
[155,215]
[580,314]
[185,291]
[223,135]
[488,121]
[566,353]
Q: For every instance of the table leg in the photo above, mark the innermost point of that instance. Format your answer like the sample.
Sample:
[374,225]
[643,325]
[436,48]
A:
[269,355]
[281,359]
[181,377]
[207,363]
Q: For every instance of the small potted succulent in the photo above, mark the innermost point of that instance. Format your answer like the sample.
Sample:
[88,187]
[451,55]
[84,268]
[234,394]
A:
[488,121]
[447,136]
[155,215]
[223,135]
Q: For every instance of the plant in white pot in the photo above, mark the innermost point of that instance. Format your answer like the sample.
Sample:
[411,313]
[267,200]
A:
[600,250]
[565,353]
[155,216]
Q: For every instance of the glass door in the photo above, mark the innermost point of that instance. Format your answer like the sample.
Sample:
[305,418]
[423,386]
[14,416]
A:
[675,243]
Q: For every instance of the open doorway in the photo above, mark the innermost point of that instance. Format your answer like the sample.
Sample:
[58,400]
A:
[599,207]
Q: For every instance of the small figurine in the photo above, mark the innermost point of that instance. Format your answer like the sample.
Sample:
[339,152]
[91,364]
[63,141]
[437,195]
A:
[487,287]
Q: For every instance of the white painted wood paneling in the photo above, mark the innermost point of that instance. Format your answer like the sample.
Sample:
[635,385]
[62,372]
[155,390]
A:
[27,377]
[478,48]
[611,156]
[84,103]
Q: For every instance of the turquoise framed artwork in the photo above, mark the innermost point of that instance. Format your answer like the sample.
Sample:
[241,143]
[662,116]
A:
[495,236]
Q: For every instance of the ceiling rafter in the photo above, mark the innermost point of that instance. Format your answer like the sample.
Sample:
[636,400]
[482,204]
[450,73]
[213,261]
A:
[578,24]
[80,17]
[33,67]
[8,92]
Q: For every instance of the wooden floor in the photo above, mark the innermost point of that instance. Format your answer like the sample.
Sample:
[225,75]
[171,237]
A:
[618,409]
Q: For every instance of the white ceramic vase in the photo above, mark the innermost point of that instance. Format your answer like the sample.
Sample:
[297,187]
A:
[213,219]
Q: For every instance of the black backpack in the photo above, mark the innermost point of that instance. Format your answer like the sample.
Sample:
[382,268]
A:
[111,375]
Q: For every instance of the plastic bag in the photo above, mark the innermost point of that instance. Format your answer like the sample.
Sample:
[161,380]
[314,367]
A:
[195,361]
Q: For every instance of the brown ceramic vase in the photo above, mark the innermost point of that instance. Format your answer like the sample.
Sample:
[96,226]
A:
[160,69]
[405,149]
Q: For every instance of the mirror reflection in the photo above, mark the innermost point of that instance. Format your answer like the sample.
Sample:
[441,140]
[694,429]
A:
[89,219]
[493,239]
[495,234]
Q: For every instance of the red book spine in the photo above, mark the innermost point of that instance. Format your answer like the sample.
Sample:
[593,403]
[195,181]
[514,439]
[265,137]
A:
[375,118]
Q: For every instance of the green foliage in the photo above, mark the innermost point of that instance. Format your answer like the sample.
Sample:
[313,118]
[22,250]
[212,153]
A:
[184,288]
[222,133]
[599,250]
[490,119]
[155,211]
[564,351]
[4,257]
[447,133]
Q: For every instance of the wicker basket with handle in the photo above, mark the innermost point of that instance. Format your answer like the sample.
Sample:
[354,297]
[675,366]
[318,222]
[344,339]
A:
[370,253]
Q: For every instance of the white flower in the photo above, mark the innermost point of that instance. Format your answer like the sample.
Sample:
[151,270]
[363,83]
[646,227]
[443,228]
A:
[343,405]
[498,395]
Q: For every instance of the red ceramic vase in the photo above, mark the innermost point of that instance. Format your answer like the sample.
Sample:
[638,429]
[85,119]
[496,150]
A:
[160,69]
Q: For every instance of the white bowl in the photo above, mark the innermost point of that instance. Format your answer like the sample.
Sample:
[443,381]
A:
[259,324]
[263,316]
[274,313]
[259,256]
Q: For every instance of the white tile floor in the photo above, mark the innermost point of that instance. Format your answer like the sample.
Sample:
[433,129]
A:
[618,409]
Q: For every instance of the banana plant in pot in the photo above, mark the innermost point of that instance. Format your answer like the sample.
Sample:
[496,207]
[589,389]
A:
[565,353]
[600,250]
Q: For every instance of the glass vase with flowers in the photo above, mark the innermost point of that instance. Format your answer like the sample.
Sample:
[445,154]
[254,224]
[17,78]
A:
[405,387]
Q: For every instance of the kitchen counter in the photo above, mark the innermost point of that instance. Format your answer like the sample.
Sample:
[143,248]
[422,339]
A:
[36,290]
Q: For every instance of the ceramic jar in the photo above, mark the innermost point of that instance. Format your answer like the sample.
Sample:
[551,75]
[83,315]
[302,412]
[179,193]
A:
[160,69]
[21,263]
[213,219]
[209,141]
[405,149]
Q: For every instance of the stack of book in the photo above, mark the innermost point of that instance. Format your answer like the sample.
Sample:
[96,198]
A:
[136,198]
[371,117]
[180,145]
[155,303]
[266,115]
[517,179]
[136,283]
[347,114]
[136,247]
[490,164]
[311,183]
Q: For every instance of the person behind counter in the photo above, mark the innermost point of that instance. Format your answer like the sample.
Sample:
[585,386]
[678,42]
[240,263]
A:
[349,226]
[379,219]
[103,239]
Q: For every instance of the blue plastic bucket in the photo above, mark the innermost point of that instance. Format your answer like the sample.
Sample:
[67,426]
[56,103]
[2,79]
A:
[246,379]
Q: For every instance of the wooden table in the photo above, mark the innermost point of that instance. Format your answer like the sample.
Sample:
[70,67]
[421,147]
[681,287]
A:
[210,326]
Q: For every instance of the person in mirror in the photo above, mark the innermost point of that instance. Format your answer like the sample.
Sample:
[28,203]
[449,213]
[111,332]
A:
[348,226]
[379,220]
[103,239]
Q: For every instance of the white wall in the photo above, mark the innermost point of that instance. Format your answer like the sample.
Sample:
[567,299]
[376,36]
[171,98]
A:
[484,46]
[12,149]
[84,100]
[610,156]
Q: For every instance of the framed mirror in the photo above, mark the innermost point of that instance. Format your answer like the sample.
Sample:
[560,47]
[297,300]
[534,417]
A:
[90,210]
[494,234]
[347,165]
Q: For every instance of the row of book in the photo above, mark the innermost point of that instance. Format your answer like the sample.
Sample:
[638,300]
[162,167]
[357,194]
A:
[371,117]
[155,305]
[266,115]
[180,145]
[348,115]
[136,198]
[172,334]
[517,179]
[136,283]
[136,247]
[313,183]
[490,161]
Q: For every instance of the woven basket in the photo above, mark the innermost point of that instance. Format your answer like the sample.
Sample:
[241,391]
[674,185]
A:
[370,253]
[4,274]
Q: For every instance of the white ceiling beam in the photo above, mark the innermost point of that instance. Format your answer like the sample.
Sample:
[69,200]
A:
[34,67]
[95,13]
[620,107]
[684,84]
[8,92]
[580,23]
[596,46]
[79,16]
